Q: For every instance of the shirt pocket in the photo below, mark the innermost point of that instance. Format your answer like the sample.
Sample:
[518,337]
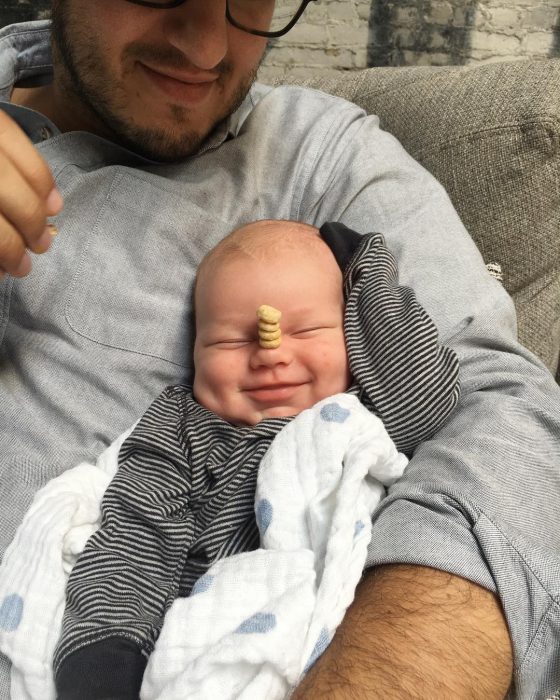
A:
[133,285]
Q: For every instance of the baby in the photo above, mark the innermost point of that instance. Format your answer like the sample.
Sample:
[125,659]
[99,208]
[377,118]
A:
[183,496]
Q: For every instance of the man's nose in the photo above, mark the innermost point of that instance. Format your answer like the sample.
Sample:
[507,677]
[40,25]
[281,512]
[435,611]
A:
[271,357]
[199,30]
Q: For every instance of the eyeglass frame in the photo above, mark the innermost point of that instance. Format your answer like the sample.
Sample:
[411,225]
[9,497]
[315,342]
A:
[257,32]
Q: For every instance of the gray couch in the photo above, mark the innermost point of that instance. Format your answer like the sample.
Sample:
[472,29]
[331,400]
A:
[491,135]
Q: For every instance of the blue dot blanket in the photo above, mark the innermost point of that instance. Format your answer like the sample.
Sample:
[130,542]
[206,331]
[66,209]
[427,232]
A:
[255,622]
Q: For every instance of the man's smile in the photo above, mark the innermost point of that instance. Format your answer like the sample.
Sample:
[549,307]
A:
[185,88]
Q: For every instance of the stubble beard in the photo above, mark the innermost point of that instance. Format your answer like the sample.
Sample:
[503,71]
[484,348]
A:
[84,76]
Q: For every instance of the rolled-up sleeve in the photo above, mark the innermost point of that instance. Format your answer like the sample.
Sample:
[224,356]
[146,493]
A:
[480,500]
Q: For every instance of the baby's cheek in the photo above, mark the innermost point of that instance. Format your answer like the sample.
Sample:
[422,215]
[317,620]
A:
[332,370]
[208,381]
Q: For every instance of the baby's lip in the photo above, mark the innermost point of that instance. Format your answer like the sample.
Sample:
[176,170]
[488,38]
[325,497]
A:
[273,385]
[273,394]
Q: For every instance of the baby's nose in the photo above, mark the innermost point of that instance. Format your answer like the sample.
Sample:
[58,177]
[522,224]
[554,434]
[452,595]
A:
[270,357]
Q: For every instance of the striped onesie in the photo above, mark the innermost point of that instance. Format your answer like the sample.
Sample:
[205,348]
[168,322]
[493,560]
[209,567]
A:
[183,495]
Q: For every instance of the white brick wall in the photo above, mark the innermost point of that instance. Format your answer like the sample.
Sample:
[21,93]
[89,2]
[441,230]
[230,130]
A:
[335,34]
[332,35]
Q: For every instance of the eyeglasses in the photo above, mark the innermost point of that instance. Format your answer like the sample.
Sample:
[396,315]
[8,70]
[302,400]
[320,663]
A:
[270,18]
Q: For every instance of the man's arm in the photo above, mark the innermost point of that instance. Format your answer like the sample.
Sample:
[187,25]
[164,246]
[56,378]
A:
[477,499]
[415,632]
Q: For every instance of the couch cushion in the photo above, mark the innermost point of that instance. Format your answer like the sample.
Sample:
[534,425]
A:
[491,135]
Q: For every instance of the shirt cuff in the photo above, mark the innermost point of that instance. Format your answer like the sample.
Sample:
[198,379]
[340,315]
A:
[111,669]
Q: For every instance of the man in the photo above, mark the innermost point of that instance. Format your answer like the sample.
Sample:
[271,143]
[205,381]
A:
[159,145]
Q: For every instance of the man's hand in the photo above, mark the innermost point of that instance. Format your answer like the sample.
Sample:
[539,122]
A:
[415,632]
[27,196]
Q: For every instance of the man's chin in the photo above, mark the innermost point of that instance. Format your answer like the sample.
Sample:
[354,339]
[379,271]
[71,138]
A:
[158,144]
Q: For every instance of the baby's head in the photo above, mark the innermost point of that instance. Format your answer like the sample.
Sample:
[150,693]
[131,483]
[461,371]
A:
[286,265]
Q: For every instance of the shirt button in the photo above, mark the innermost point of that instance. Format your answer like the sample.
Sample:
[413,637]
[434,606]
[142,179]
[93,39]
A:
[45,132]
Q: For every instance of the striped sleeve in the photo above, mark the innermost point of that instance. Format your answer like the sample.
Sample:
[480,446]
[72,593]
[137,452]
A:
[401,371]
[182,497]
[129,571]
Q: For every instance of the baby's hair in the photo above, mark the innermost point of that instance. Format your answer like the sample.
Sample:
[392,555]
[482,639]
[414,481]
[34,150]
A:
[261,239]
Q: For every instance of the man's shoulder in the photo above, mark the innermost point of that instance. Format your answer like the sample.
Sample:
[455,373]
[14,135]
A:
[293,106]
[308,97]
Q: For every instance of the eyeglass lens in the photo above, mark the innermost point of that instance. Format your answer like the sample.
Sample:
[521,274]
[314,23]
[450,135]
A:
[264,15]
[261,15]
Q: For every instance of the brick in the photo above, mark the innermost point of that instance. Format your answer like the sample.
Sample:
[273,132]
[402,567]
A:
[501,18]
[405,16]
[494,43]
[306,34]
[540,17]
[316,12]
[442,13]
[539,43]
[344,35]
[343,12]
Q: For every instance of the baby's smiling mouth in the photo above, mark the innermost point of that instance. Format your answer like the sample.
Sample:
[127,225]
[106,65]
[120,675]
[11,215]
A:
[275,391]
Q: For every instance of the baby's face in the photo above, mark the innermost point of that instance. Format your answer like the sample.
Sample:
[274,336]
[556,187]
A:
[245,383]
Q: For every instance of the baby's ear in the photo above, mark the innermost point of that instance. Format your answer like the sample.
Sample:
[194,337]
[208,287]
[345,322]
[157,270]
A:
[342,241]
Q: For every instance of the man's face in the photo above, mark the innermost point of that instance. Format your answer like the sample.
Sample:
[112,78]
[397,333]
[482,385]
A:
[156,80]
[245,383]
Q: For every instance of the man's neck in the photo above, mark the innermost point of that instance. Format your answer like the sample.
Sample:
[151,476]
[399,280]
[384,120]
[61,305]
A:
[37,98]
[66,114]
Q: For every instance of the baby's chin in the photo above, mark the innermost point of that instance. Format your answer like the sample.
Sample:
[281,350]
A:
[256,416]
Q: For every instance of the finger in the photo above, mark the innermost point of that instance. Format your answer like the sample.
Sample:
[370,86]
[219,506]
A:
[17,147]
[14,257]
[21,205]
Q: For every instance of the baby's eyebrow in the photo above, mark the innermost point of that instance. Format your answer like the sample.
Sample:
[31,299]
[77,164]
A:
[221,333]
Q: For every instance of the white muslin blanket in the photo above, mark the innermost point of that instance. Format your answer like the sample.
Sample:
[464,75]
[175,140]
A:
[255,622]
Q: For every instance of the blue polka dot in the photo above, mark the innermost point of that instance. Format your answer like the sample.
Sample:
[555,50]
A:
[358,527]
[202,584]
[320,646]
[333,413]
[259,623]
[264,515]
[11,612]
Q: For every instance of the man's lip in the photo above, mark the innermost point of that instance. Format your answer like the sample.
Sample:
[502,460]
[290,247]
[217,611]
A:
[183,77]
[187,89]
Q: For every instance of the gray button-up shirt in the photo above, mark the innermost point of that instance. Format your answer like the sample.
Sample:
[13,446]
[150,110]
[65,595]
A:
[102,324]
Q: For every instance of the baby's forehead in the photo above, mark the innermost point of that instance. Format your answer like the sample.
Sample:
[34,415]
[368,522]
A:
[265,242]
[270,239]
[289,253]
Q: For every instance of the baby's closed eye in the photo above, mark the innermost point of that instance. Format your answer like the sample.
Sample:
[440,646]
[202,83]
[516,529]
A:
[232,343]
[309,332]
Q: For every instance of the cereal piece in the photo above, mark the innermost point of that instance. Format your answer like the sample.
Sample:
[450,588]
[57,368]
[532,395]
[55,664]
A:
[270,344]
[268,314]
[270,335]
[267,326]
